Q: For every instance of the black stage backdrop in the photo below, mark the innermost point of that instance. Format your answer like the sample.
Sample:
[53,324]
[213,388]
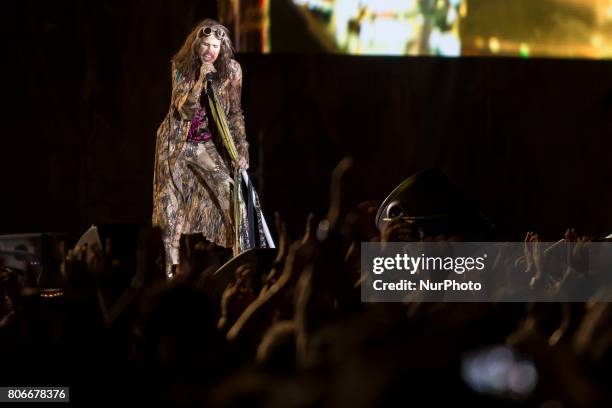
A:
[86,85]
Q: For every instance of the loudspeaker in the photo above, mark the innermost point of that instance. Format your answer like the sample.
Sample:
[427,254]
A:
[435,205]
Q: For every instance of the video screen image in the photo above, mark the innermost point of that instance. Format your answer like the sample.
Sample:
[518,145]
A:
[448,28]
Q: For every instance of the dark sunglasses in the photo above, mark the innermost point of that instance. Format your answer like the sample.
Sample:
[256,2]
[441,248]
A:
[208,31]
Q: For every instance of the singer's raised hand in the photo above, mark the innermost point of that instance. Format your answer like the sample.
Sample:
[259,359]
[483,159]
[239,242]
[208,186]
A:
[207,68]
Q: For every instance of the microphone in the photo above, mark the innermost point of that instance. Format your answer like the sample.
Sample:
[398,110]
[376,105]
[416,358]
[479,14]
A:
[209,77]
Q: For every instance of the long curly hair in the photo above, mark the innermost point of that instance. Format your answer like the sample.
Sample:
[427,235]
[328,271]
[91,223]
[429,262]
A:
[187,60]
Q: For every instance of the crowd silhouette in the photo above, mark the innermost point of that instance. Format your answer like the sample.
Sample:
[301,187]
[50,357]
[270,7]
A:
[296,333]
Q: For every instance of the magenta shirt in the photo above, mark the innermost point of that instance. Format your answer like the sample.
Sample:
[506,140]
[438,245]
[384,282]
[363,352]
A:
[198,131]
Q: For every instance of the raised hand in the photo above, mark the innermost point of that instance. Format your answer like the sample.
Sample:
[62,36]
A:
[301,252]
[576,255]
[533,257]
[527,251]
[101,263]
[281,255]
[360,222]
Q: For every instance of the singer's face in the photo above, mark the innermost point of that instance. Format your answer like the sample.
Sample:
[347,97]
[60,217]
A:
[209,49]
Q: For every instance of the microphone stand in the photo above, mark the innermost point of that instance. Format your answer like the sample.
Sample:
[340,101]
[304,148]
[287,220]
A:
[219,117]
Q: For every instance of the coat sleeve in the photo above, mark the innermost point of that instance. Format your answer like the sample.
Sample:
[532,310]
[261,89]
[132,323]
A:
[185,95]
[235,116]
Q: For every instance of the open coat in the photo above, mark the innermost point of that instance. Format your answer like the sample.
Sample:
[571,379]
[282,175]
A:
[190,189]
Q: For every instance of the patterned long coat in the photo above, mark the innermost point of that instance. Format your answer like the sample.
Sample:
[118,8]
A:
[188,199]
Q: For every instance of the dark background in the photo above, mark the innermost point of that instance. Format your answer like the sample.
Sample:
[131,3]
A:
[86,85]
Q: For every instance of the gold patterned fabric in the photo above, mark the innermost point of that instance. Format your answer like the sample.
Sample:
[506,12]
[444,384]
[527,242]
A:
[192,181]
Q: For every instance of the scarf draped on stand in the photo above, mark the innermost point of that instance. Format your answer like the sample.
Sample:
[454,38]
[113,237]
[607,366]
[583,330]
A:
[253,209]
